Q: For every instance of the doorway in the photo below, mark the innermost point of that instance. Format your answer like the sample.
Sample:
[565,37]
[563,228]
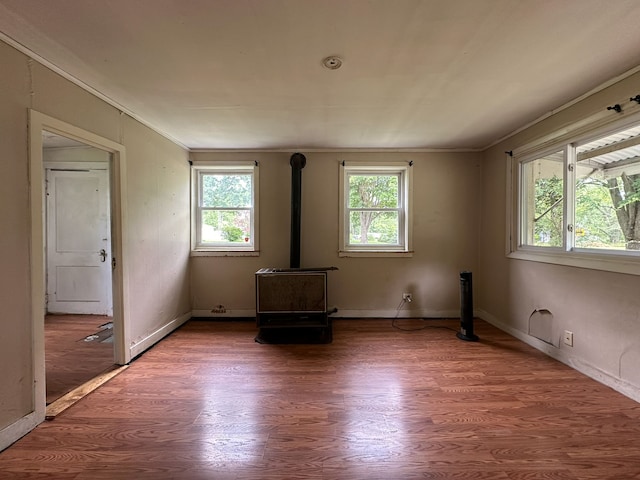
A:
[119,351]
[78,297]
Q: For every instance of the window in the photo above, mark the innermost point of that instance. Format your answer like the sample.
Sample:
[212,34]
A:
[225,208]
[543,201]
[607,192]
[375,209]
[578,198]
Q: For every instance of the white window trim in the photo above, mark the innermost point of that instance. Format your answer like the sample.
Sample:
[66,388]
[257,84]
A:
[198,249]
[520,181]
[600,124]
[406,222]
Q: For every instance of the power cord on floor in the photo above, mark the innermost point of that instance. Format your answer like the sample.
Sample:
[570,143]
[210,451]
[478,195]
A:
[423,327]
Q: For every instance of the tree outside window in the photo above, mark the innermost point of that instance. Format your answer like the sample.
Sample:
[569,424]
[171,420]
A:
[224,214]
[375,208]
[605,195]
[226,208]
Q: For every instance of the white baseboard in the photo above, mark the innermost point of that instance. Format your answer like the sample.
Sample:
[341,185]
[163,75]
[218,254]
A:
[14,432]
[228,314]
[141,345]
[619,385]
[417,313]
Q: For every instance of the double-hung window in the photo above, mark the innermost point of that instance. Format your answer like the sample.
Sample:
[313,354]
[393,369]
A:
[225,213]
[577,198]
[375,209]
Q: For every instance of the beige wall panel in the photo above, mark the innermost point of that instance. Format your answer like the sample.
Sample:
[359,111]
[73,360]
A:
[75,154]
[446,222]
[61,99]
[16,380]
[445,228]
[600,308]
[275,209]
[158,218]
[157,228]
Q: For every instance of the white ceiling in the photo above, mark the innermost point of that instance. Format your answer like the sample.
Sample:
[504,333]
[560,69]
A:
[248,74]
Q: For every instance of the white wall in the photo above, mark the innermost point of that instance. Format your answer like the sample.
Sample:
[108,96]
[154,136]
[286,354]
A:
[16,379]
[601,308]
[446,222]
[157,198]
[158,192]
[74,154]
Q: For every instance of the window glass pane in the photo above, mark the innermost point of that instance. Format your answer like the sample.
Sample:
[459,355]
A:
[226,226]
[226,190]
[608,192]
[373,228]
[373,191]
[374,207]
[542,199]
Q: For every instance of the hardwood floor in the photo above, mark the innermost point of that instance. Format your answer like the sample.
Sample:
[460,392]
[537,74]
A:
[377,403]
[70,360]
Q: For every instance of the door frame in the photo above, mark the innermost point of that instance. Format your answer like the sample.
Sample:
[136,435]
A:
[120,275]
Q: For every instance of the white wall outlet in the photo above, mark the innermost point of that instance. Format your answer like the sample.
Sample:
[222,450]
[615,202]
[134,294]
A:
[407,297]
[568,338]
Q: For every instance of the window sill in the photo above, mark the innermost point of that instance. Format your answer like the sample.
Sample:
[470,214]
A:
[618,262]
[225,253]
[374,253]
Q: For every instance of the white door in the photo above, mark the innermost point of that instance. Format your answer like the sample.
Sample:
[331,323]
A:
[78,242]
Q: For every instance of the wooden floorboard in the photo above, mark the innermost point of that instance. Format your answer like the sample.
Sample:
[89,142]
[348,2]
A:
[209,402]
[70,360]
[61,404]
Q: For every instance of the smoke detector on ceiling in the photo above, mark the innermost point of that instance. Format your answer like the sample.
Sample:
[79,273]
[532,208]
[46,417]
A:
[332,62]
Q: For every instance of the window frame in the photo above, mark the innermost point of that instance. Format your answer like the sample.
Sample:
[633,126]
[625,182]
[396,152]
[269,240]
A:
[569,138]
[405,210]
[198,171]
[522,208]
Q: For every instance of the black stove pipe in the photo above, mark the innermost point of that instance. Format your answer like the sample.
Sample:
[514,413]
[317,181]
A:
[297,162]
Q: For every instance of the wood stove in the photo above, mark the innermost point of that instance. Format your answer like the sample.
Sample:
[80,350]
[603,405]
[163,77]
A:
[292,297]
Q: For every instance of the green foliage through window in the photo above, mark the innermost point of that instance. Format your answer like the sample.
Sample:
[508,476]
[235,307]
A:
[374,201]
[604,196]
[543,201]
[225,206]
[548,212]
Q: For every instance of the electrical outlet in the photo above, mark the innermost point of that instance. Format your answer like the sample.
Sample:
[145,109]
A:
[407,297]
[568,338]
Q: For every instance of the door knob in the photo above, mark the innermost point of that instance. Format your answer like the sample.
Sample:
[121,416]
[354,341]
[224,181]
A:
[103,255]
